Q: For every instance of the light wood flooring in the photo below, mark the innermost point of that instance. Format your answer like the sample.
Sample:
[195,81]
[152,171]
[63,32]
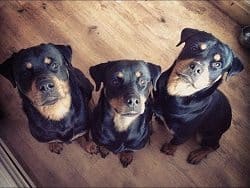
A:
[99,31]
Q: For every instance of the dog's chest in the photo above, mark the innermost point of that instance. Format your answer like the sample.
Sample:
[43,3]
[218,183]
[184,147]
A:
[122,123]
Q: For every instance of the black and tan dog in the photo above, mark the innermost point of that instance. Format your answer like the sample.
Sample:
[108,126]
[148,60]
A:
[54,94]
[187,99]
[121,118]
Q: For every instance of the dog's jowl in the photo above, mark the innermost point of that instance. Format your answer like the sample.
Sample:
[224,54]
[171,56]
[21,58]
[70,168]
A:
[54,94]
[123,113]
[187,99]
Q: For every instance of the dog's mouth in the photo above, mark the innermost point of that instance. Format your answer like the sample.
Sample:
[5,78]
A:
[186,78]
[49,101]
[130,114]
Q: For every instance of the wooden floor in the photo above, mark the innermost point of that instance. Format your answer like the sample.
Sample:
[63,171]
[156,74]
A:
[102,31]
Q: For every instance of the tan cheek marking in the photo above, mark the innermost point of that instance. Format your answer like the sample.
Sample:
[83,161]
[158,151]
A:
[117,104]
[143,100]
[28,65]
[47,60]
[138,74]
[34,95]
[173,80]
[61,86]
[203,46]
[182,65]
[120,75]
[217,57]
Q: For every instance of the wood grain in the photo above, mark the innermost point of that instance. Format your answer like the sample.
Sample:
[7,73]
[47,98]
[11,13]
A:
[102,31]
[238,10]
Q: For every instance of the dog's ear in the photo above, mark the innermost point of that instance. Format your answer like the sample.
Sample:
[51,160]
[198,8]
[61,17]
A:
[235,67]
[155,72]
[97,72]
[7,71]
[186,33]
[66,52]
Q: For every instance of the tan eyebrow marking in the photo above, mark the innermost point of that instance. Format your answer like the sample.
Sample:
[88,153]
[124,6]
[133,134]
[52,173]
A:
[120,75]
[28,65]
[203,46]
[217,57]
[47,60]
[138,74]
[198,62]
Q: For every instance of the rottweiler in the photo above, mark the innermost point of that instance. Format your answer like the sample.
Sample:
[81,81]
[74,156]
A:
[54,94]
[121,119]
[187,100]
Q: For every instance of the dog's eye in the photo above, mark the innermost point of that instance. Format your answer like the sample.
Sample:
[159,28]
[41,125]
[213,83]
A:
[142,82]
[54,66]
[216,64]
[116,81]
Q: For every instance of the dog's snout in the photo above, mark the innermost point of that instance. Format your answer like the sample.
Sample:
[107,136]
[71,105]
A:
[133,101]
[46,85]
[196,68]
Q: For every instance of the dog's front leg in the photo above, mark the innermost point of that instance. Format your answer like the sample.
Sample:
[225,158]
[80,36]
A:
[197,155]
[169,148]
[56,147]
[88,144]
[103,151]
[126,158]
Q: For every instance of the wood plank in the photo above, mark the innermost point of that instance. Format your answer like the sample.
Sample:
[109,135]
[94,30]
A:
[238,10]
[102,31]
[11,172]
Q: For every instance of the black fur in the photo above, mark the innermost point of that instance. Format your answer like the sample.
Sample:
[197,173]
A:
[103,130]
[104,133]
[77,120]
[207,111]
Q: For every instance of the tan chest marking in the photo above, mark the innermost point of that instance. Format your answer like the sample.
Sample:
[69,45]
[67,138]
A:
[122,123]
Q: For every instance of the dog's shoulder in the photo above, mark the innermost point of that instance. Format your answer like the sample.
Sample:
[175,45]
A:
[82,82]
[161,83]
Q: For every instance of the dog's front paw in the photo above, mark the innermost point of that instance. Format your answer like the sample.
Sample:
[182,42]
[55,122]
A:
[91,147]
[196,156]
[126,158]
[168,149]
[103,151]
[56,147]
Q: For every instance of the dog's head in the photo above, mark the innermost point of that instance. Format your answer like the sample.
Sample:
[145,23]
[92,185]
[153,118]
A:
[127,84]
[202,62]
[40,73]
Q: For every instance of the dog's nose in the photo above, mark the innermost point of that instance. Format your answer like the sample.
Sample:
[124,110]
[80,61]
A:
[196,68]
[133,101]
[46,85]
